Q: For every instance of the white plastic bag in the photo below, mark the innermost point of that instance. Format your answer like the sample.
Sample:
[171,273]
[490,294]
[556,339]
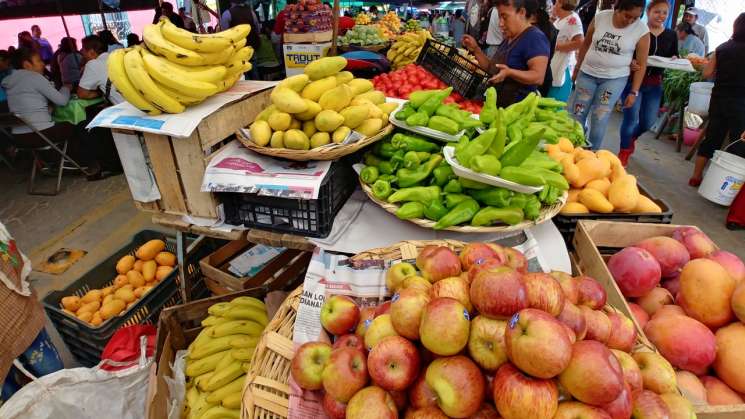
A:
[83,393]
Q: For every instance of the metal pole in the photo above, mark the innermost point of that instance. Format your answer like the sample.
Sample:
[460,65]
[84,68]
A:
[62,16]
[103,16]
[335,23]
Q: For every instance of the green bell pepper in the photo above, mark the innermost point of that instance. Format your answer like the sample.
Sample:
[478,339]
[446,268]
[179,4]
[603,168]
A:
[419,119]
[520,151]
[532,207]
[442,175]
[382,189]
[397,160]
[417,99]
[410,210]
[519,200]
[453,199]
[387,167]
[522,176]
[433,102]
[489,110]
[412,160]
[490,215]
[412,143]
[371,159]
[410,177]
[416,193]
[435,210]
[453,186]
[549,195]
[461,213]
[369,174]
[486,164]
[472,184]
[494,197]
[406,111]
[476,147]
[442,124]
[384,149]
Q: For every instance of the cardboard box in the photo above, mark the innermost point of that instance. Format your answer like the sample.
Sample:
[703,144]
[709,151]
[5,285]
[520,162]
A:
[297,56]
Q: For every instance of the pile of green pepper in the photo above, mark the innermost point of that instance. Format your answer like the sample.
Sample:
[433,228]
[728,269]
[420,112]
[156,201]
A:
[425,109]
[410,171]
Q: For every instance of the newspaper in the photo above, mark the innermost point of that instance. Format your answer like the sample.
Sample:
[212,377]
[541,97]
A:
[681,64]
[237,169]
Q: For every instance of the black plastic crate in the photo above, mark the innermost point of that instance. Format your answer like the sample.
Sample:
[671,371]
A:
[86,342]
[567,224]
[451,67]
[310,218]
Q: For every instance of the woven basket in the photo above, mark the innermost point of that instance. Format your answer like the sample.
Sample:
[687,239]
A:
[330,152]
[546,214]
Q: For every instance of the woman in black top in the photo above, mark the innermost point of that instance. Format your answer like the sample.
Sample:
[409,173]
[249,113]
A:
[640,117]
[727,106]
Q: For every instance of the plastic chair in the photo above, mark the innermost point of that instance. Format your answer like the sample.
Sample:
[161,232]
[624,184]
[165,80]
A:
[66,162]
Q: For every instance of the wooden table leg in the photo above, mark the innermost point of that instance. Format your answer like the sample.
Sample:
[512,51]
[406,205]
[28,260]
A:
[681,125]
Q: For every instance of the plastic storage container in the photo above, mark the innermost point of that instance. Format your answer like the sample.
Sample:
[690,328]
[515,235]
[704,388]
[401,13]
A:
[698,99]
[724,179]
[454,69]
[309,218]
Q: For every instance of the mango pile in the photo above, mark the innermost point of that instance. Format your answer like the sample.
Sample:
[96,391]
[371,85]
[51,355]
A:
[319,107]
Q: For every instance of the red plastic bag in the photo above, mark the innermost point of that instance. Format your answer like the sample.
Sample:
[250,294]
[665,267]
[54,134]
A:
[124,345]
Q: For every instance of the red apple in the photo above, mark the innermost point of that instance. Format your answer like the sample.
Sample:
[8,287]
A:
[698,244]
[632,375]
[578,410]
[345,373]
[339,314]
[382,309]
[333,408]
[669,253]
[573,317]
[393,363]
[486,342]
[477,253]
[679,407]
[458,384]
[372,403]
[415,282]
[350,341]
[486,412]
[672,285]
[591,293]
[395,275]
[438,262]
[570,333]
[445,326]
[537,343]
[498,293]
[621,407]
[486,264]
[639,314]
[518,395]
[544,293]
[691,387]
[425,413]
[569,285]
[420,394]
[406,312]
[454,287]
[400,398]
[622,332]
[649,405]
[379,328]
[308,363]
[635,271]
[657,373]
[594,375]
[655,299]
[366,316]
[598,324]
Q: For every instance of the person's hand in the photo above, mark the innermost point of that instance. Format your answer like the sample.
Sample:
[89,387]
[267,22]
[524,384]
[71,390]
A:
[503,73]
[469,43]
[635,66]
[629,102]
[575,73]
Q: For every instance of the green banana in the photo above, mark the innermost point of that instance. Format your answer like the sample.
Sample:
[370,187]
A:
[243,341]
[214,321]
[224,376]
[247,313]
[232,387]
[243,354]
[237,327]
[211,347]
[218,309]
[203,365]
[248,301]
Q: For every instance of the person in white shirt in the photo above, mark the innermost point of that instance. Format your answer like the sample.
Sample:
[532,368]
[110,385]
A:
[95,79]
[494,36]
[568,40]
[614,38]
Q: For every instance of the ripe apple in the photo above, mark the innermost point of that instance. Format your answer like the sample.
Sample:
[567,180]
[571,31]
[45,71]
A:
[719,393]
[678,406]
[657,373]
[477,253]
[380,327]
[406,311]
[393,363]
[537,343]
[598,324]
[339,314]
[639,314]
[570,333]
[438,262]
[572,316]
[333,408]
[655,299]
[366,316]
[569,285]
[350,341]
[486,342]
[445,326]
[308,363]
[372,403]
[519,395]
[415,282]
[544,293]
[425,413]
[382,309]
[516,260]
[594,375]
[622,332]
[396,274]
[649,405]
[691,387]
[486,412]
[632,375]
[400,398]
[621,407]
[578,410]
[486,264]
[420,394]
[454,287]
[591,293]
[458,384]
[498,292]
[345,373]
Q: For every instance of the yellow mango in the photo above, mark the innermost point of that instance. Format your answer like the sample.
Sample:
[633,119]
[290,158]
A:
[646,205]
[328,120]
[590,168]
[343,77]
[360,86]
[340,134]
[125,264]
[617,172]
[112,308]
[264,115]
[354,115]
[310,113]
[296,140]
[565,145]
[261,133]
[337,98]
[601,185]
[623,194]
[296,82]
[288,100]
[277,140]
[595,201]
[309,128]
[555,152]
[387,107]
[370,127]
[571,171]
[580,154]
[573,195]
[319,139]
[574,208]
[360,101]
[375,96]
[324,67]
[295,124]
[315,89]
[608,155]
[148,270]
[279,121]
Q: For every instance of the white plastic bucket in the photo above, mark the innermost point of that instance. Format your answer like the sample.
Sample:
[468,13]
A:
[724,179]
[698,99]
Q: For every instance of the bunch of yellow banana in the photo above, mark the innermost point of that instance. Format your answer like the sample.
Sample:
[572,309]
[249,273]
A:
[407,48]
[220,357]
[175,68]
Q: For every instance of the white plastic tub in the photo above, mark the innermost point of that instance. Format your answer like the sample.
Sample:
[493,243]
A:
[698,99]
[724,179]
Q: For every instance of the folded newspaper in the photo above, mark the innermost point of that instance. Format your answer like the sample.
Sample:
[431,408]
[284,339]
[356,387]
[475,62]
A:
[237,169]
[681,64]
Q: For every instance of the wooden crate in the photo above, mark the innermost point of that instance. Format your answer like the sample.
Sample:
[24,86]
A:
[179,163]
[308,37]
[594,242]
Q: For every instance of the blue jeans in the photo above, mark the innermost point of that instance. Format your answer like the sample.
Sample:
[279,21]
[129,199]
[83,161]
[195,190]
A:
[562,92]
[40,358]
[596,95]
[640,117]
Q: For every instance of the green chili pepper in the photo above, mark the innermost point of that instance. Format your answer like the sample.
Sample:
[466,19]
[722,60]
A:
[384,149]
[371,159]
[540,159]
[486,164]
[411,143]
[433,102]
[472,184]
[453,199]
[462,144]
[522,176]
[442,175]
[387,167]
[515,134]
[518,200]
[489,110]
[453,186]
[410,177]
[388,178]
[423,156]
[397,160]
[549,102]
[464,120]
[494,197]
[419,119]
[416,193]
[410,210]
[382,189]
[518,153]
[532,207]
[442,124]
[461,213]
[490,215]
[553,196]
[435,210]
[417,99]
[406,111]
[476,147]
[369,174]
[551,178]
[411,160]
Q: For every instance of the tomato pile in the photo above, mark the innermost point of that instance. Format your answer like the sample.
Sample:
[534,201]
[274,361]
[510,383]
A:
[402,82]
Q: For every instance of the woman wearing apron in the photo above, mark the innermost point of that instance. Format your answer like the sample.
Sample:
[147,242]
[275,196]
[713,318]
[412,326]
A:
[519,65]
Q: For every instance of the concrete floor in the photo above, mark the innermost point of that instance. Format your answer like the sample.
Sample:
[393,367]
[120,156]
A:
[99,217]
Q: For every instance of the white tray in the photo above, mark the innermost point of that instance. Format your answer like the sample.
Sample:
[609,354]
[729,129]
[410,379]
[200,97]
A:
[467,173]
[427,132]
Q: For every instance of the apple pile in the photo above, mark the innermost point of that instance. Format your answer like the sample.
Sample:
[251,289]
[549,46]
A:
[689,298]
[476,335]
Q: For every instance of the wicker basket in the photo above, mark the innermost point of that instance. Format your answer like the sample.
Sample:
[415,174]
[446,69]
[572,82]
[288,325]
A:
[546,214]
[331,152]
